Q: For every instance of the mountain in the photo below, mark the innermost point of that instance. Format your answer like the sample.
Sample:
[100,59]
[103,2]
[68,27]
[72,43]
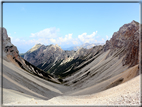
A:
[118,56]
[102,75]
[61,64]
[126,40]
[45,57]
[89,46]
[75,48]
[85,45]
[55,61]
[11,54]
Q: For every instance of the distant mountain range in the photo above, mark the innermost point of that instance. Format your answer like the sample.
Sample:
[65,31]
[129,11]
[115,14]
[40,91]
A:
[85,45]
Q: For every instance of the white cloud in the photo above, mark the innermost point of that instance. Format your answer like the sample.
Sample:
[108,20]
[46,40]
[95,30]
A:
[82,37]
[46,33]
[65,39]
[87,38]
[46,36]
[51,36]
[92,35]
[53,40]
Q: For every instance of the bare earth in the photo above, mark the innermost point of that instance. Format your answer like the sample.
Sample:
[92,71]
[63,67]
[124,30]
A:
[124,94]
[110,77]
[47,93]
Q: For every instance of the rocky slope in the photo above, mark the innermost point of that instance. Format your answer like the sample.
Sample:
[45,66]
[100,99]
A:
[60,63]
[108,71]
[115,57]
[41,55]
[56,61]
[127,39]
[10,53]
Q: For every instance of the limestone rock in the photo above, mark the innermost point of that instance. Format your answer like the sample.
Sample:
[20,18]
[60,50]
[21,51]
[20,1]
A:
[127,38]
[11,54]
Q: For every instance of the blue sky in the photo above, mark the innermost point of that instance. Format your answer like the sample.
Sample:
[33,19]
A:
[65,24]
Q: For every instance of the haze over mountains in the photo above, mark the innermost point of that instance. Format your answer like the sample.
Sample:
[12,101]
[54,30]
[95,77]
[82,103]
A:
[85,45]
[109,72]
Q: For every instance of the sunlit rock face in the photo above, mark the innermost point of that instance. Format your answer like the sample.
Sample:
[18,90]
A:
[47,57]
[41,54]
[11,54]
[127,39]
[115,62]
[124,43]
[100,72]
[10,51]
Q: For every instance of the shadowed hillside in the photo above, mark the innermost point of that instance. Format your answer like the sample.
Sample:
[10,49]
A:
[74,77]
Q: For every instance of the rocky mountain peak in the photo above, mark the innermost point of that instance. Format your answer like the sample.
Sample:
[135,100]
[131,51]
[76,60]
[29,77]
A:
[40,54]
[127,30]
[39,44]
[6,39]
[57,45]
[127,38]
[135,23]
[10,52]
[35,47]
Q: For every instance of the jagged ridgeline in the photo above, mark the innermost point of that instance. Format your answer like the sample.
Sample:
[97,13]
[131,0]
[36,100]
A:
[60,63]
[11,54]
[90,72]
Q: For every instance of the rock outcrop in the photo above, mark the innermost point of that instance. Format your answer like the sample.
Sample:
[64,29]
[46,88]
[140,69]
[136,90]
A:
[40,54]
[126,39]
[84,72]
[10,53]
[52,59]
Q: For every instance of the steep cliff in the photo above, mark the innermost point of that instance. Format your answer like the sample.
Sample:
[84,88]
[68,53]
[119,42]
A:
[87,75]
[126,39]
[56,61]
[10,53]
[52,59]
